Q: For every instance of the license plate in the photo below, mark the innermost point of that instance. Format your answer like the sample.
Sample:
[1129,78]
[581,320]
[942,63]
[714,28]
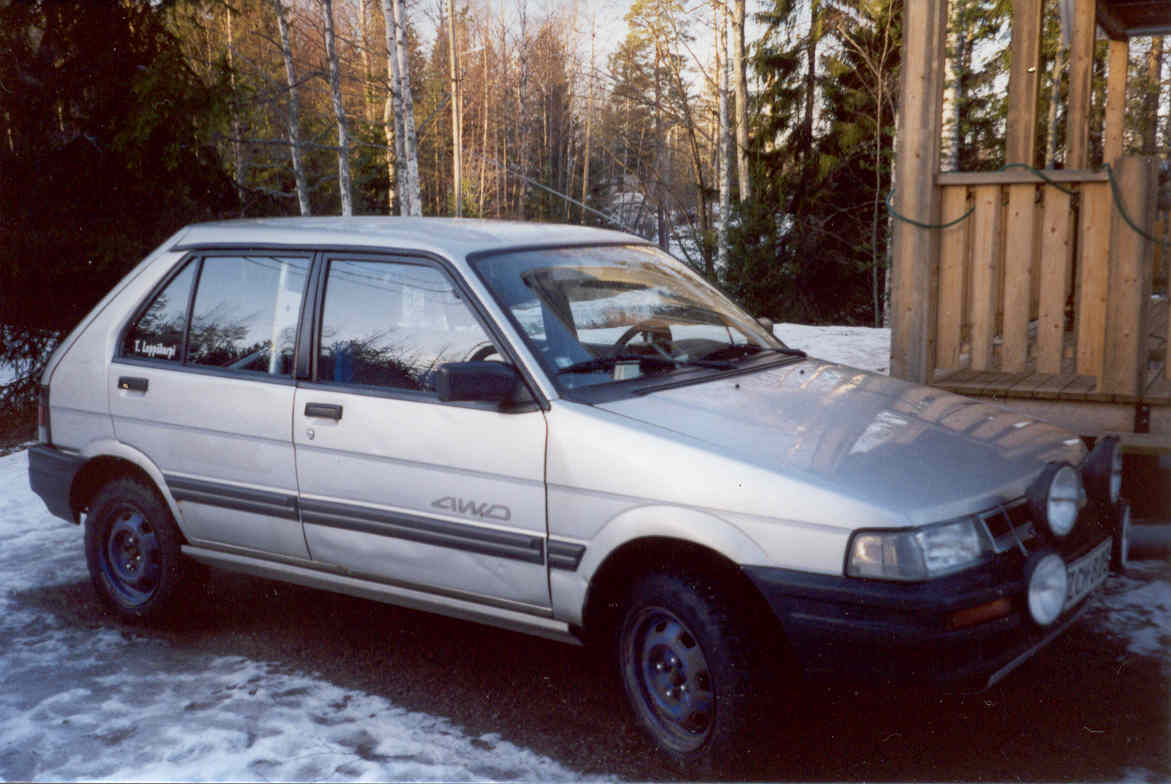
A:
[1087,573]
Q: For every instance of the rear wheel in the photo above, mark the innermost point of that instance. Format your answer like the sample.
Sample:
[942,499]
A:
[685,667]
[132,548]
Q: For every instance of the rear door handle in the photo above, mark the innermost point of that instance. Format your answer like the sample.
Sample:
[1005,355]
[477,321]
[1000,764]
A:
[133,384]
[324,411]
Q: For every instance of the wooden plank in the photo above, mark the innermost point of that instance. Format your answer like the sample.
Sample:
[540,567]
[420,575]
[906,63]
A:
[1124,366]
[1029,385]
[1056,263]
[986,236]
[953,260]
[1021,226]
[1094,277]
[1081,388]
[1159,392]
[1081,61]
[1020,144]
[1016,176]
[1051,388]
[1115,100]
[915,251]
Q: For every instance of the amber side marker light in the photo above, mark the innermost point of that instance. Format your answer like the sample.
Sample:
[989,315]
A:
[990,611]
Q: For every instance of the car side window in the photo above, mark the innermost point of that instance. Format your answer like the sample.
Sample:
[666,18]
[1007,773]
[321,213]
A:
[245,313]
[389,324]
[158,332]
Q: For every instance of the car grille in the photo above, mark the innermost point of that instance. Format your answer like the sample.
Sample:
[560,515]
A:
[1008,526]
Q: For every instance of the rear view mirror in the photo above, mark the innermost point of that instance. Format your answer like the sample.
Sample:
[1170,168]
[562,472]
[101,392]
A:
[483,382]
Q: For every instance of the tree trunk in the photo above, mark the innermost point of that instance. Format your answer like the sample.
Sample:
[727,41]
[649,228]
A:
[237,144]
[1151,99]
[409,197]
[741,77]
[1051,138]
[723,138]
[343,134]
[294,114]
[522,155]
[660,173]
[457,163]
[392,113]
[585,163]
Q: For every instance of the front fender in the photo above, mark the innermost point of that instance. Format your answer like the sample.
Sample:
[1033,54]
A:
[698,527]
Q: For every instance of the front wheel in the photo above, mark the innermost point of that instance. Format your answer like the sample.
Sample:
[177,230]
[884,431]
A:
[132,548]
[686,669]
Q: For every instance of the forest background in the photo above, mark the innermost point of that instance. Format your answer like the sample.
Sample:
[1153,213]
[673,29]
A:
[754,139]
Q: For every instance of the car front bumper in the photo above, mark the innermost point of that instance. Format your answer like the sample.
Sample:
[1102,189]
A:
[969,629]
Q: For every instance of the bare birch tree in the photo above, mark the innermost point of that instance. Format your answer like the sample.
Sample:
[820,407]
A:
[741,77]
[343,135]
[399,114]
[294,112]
[723,139]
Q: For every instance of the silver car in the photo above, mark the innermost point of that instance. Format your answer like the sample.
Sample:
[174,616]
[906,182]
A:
[562,431]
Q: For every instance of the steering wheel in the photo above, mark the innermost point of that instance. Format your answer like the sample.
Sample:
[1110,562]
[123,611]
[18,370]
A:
[657,331]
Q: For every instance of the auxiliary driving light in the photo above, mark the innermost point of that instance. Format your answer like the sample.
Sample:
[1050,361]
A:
[1048,583]
[1102,471]
[1056,498]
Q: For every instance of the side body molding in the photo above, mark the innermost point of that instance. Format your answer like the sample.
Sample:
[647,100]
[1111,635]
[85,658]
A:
[701,527]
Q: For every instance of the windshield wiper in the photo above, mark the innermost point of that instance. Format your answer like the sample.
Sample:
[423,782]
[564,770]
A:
[752,349]
[607,363]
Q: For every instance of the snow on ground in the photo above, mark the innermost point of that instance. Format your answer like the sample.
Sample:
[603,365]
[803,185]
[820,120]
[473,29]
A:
[867,348]
[93,703]
[82,703]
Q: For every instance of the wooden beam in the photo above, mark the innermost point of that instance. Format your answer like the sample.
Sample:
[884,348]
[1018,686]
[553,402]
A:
[954,252]
[1081,63]
[986,236]
[915,250]
[1019,177]
[1125,362]
[1023,79]
[1056,265]
[1115,100]
[1093,274]
[1021,227]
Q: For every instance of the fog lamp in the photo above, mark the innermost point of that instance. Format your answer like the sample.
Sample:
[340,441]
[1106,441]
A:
[1102,470]
[1048,584]
[1056,498]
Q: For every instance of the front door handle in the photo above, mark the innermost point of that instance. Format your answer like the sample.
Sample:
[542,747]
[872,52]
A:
[133,384]
[324,411]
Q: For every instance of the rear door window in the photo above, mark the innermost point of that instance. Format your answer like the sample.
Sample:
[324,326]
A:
[245,313]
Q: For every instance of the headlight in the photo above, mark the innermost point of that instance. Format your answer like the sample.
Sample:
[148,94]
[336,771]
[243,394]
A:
[1102,470]
[1048,583]
[1056,497]
[916,554]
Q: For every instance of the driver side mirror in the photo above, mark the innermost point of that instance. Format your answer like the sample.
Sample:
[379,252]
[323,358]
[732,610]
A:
[480,382]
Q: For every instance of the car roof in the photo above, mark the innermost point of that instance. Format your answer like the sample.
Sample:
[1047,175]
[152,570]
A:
[452,237]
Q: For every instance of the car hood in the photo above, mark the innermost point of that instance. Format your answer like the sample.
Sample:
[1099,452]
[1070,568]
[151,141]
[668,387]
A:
[920,453]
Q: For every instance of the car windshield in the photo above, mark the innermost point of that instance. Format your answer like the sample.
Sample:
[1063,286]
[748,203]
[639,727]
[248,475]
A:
[608,314]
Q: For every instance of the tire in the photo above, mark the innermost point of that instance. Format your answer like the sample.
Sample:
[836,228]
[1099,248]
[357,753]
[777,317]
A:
[686,669]
[132,548]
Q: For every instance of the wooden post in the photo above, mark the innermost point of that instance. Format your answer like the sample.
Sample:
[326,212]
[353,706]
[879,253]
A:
[1115,100]
[915,250]
[1056,255]
[1131,255]
[1081,63]
[1024,76]
[954,253]
[1093,258]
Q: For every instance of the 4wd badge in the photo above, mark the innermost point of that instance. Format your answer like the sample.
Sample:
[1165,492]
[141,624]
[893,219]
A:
[466,506]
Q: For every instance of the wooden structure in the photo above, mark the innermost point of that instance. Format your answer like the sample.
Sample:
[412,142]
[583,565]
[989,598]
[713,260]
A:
[1042,297]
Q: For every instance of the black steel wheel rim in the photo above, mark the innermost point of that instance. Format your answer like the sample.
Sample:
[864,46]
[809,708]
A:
[131,556]
[672,675]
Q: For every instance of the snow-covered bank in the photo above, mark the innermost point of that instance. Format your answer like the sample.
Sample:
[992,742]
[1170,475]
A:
[867,348]
[95,703]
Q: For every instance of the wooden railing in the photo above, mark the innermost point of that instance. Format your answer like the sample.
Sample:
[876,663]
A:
[1040,282]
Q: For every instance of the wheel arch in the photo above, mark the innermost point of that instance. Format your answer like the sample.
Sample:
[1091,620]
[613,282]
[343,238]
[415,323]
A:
[109,460]
[613,579]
